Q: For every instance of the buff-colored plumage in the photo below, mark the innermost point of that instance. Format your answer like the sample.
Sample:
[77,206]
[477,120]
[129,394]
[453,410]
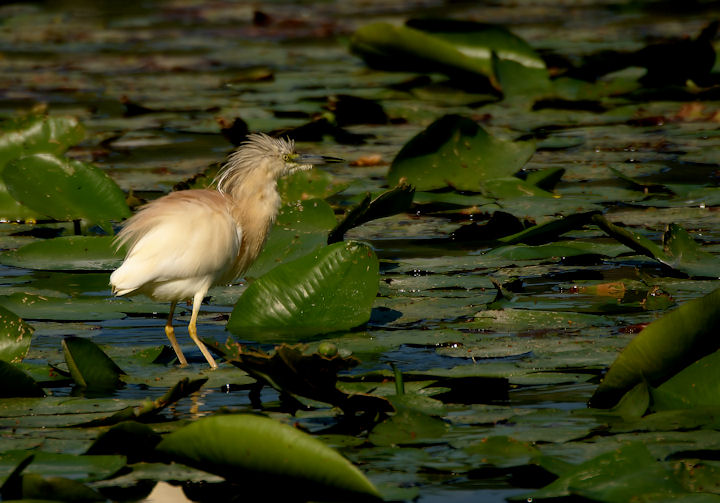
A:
[186,242]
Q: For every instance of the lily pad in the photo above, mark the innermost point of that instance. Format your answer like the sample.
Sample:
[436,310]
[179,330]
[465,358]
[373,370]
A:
[242,446]
[697,385]
[329,290]
[663,348]
[89,366]
[456,151]
[16,383]
[75,190]
[30,134]
[66,253]
[15,336]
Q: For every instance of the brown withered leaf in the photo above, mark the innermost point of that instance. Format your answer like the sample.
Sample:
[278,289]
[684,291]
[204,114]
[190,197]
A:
[289,370]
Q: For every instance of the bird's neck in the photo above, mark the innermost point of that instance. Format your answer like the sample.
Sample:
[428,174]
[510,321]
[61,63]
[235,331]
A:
[254,206]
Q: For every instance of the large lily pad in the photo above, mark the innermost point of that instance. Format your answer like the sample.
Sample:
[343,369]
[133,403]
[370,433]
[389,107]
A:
[456,151]
[31,134]
[249,447]
[329,290]
[663,348]
[72,189]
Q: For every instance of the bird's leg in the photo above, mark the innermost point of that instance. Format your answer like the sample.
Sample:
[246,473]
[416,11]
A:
[192,329]
[170,332]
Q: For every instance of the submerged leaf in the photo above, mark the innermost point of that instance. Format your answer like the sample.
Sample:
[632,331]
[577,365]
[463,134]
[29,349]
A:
[257,448]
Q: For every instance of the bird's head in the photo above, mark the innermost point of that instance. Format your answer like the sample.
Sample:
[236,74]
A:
[275,157]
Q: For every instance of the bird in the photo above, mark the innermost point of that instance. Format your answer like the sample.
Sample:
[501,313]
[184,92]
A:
[180,245]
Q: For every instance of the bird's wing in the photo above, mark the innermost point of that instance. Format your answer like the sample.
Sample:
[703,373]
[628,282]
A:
[188,234]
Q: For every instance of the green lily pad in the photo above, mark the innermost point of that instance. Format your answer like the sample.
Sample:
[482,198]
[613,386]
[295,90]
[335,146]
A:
[697,385]
[66,253]
[15,336]
[16,383]
[300,228]
[390,202]
[242,445]
[30,134]
[663,348]
[455,151]
[89,366]
[329,290]
[75,190]
[72,466]
[38,488]
[679,250]
[616,476]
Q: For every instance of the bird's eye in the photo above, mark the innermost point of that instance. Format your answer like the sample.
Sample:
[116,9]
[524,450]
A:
[286,157]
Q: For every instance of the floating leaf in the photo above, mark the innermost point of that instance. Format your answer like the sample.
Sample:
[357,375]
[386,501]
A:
[72,466]
[663,348]
[75,190]
[16,383]
[390,202]
[697,385]
[38,488]
[300,228]
[129,438]
[502,451]
[32,134]
[243,446]
[15,336]
[89,366]
[455,151]
[616,476]
[329,290]
[408,426]
[679,250]
[309,184]
[66,253]
[389,47]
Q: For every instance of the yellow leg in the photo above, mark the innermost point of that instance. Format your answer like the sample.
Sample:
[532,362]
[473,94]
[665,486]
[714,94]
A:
[170,332]
[193,329]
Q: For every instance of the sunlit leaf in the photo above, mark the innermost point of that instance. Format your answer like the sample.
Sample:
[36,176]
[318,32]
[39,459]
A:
[243,446]
[72,189]
[31,134]
[329,290]
[15,336]
[300,228]
[663,348]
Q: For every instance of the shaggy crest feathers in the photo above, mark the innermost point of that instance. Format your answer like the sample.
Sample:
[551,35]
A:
[257,146]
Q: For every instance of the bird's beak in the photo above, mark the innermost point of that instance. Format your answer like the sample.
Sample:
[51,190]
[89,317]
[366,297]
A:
[307,161]
[316,159]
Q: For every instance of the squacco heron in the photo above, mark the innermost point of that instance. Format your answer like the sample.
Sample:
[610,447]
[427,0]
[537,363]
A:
[180,245]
